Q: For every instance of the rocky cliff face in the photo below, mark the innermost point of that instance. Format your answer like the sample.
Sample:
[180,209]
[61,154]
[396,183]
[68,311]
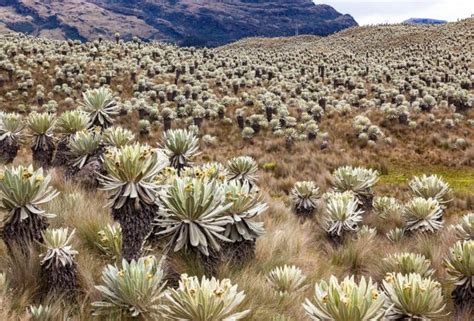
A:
[186,22]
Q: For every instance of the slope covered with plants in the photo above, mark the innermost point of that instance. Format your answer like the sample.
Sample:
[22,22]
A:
[281,179]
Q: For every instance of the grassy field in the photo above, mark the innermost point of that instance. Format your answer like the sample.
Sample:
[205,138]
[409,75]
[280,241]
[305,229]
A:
[461,179]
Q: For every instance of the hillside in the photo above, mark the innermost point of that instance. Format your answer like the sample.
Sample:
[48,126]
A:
[186,22]
[147,181]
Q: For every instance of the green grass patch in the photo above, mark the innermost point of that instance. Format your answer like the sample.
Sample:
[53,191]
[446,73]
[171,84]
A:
[460,179]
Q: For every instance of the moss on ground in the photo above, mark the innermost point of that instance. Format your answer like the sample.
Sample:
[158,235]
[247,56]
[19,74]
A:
[460,179]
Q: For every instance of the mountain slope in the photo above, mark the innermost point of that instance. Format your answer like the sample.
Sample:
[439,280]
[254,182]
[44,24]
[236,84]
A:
[186,22]
[425,21]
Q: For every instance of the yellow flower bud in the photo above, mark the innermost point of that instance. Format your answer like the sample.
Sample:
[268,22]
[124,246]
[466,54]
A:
[26,174]
[219,292]
[375,294]
[389,278]
[188,188]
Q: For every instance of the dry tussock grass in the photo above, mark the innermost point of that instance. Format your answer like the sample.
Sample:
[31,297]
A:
[287,241]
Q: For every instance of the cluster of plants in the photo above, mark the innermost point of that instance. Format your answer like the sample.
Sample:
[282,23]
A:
[207,212]
[351,197]
[139,127]
[290,93]
[409,288]
[157,197]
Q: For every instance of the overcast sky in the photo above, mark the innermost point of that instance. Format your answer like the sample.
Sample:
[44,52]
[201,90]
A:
[379,11]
